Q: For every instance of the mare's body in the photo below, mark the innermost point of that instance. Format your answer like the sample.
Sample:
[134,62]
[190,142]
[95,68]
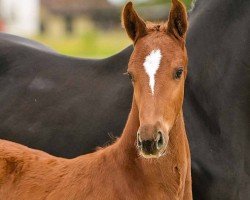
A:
[65,106]
[216,115]
[216,105]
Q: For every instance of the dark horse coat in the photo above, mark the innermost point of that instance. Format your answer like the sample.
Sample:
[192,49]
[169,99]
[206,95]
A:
[217,99]
[67,106]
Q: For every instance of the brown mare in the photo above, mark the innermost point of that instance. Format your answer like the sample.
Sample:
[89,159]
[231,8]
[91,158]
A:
[151,160]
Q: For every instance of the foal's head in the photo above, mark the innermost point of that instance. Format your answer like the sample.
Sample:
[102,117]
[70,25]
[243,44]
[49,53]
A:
[157,68]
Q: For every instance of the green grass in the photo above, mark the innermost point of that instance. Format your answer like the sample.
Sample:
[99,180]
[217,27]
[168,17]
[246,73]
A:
[92,44]
[186,2]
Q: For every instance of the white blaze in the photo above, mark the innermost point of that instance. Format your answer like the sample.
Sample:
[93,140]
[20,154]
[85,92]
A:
[151,65]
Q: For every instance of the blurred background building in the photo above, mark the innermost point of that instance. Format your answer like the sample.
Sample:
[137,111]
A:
[89,28]
[20,17]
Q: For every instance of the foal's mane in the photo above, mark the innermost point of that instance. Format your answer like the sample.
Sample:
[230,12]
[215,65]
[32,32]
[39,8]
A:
[160,26]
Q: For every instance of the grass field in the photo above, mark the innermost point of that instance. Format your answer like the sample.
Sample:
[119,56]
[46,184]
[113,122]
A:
[92,44]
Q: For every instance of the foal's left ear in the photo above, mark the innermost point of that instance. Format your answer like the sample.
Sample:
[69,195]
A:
[177,22]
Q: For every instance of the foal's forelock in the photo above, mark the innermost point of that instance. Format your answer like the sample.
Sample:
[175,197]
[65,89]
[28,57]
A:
[151,65]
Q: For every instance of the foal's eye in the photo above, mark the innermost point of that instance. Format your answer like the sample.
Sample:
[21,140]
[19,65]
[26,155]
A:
[130,76]
[178,73]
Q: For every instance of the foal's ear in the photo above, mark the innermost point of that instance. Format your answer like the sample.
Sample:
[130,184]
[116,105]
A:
[134,25]
[177,22]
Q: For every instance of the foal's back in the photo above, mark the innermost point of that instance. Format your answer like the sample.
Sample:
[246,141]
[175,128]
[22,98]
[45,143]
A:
[24,171]
[31,174]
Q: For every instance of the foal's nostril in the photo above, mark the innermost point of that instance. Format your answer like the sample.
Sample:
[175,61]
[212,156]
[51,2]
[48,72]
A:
[159,140]
[149,146]
[139,141]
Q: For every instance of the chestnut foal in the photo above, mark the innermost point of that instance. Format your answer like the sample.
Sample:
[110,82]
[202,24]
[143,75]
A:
[151,160]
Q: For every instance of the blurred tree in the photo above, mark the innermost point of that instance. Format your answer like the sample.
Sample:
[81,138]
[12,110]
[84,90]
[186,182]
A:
[149,2]
[187,2]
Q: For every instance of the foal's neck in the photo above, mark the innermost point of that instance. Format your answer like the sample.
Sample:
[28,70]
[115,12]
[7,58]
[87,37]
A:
[127,142]
[165,174]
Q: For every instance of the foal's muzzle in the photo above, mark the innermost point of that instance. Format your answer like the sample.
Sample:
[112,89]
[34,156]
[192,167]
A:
[151,147]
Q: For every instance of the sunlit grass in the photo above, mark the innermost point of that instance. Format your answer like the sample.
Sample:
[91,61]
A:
[94,44]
